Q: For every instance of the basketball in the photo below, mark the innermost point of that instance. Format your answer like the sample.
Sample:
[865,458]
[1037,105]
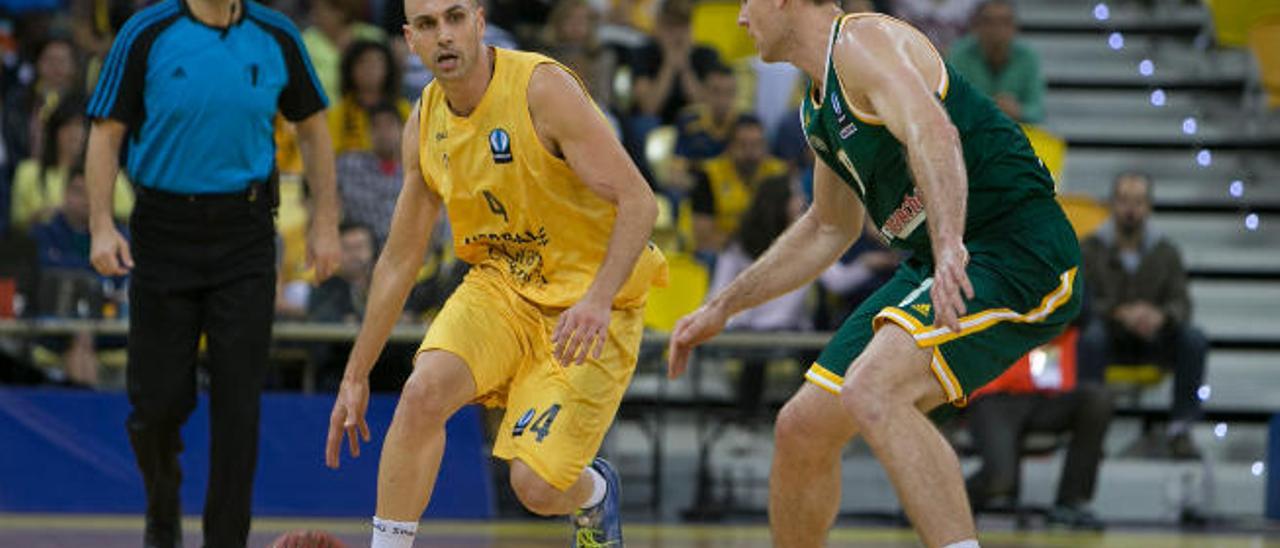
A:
[307,539]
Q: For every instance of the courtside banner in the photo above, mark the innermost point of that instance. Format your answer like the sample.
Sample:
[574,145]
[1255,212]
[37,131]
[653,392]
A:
[67,451]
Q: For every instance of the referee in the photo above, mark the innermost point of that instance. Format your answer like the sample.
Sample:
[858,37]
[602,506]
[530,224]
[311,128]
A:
[188,94]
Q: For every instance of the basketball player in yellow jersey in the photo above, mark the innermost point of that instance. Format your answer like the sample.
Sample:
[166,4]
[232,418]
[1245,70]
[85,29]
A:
[554,218]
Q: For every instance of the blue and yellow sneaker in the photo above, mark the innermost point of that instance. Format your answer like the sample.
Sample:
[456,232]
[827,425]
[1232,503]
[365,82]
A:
[601,525]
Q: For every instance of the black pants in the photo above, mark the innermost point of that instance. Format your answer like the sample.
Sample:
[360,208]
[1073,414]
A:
[1000,421]
[202,266]
[1178,348]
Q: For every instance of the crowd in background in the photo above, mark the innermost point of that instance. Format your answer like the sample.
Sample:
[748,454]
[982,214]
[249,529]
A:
[713,128]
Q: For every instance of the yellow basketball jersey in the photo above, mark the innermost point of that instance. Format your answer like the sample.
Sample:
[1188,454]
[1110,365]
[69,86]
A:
[512,204]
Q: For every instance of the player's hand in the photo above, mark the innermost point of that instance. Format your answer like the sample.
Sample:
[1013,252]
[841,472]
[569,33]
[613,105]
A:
[109,252]
[324,252]
[950,285]
[692,330]
[582,328]
[347,419]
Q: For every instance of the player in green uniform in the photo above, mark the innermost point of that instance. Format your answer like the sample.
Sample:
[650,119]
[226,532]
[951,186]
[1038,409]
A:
[907,144]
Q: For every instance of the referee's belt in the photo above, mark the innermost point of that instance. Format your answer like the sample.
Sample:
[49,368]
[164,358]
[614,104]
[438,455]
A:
[256,191]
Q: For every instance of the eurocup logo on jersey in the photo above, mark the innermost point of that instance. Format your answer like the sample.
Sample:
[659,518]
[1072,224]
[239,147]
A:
[500,145]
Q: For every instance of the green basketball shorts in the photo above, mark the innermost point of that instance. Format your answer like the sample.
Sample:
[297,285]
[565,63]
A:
[1027,289]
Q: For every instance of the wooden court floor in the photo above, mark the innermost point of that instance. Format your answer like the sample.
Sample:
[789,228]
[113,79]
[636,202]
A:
[38,531]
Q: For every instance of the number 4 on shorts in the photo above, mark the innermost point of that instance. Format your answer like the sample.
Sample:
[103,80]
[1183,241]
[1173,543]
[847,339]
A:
[541,426]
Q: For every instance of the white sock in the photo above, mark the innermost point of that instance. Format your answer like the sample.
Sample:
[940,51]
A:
[971,543]
[598,488]
[393,534]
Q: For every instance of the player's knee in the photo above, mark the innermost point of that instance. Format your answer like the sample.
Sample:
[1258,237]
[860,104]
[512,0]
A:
[798,426]
[425,400]
[535,493]
[866,397]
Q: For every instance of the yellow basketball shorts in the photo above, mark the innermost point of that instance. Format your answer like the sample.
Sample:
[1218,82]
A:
[556,416]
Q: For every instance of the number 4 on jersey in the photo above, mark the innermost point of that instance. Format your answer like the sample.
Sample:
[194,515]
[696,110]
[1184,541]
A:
[541,426]
[494,205]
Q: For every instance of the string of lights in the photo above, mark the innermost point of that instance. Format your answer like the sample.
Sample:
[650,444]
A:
[1203,157]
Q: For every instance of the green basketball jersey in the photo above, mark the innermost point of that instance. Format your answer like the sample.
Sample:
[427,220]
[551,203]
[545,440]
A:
[1004,173]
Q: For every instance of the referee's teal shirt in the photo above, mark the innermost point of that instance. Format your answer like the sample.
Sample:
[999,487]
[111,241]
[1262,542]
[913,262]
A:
[199,101]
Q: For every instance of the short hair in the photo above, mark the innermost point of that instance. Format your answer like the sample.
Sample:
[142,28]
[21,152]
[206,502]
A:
[982,7]
[745,121]
[1140,175]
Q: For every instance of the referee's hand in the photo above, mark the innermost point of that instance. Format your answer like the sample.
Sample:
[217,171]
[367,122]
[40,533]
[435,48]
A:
[324,251]
[109,252]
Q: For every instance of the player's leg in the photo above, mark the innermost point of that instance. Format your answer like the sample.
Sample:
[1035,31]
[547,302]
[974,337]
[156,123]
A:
[468,354]
[804,480]
[440,384]
[557,417]
[884,393]
[912,364]
[540,497]
[812,428]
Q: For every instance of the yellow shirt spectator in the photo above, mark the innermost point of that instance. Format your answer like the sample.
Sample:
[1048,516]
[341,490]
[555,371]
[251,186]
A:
[36,198]
[349,124]
[723,188]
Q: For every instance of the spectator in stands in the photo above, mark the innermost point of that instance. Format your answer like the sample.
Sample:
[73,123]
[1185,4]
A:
[866,266]
[703,127]
[670,68]
[998,64]
[570,37]
[28,104]
[93,26]
[334,27]
[723,188]
[369,182]
[943,21]
[1140,309]
[1040,394]
[370,77]
[527,18]
[776,204]
[342,297]
[38,182]
[69,285]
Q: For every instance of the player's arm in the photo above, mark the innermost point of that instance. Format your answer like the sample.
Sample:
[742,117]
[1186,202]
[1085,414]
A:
[567,119]
[798,256]
[415,215]
[323,251]
[874,61]
[803,251]
[416,212]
